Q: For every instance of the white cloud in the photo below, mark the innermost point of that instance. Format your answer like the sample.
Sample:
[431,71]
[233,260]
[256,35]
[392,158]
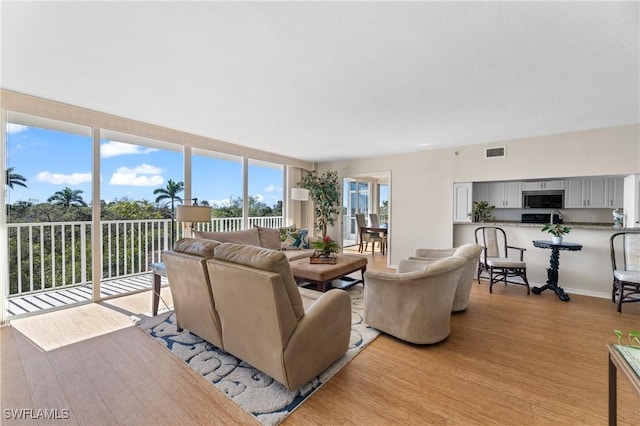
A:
[273,188]
[220,203]
[113,149]
[142,175]
[59,178]
[13,128]
[142,169]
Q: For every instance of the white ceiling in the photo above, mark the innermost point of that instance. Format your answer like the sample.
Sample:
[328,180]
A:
[334,80]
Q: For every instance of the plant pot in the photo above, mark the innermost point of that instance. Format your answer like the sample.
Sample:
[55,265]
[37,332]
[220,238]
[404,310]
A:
[556,240]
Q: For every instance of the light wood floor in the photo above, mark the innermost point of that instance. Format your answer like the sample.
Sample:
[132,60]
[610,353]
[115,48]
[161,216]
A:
[510,359]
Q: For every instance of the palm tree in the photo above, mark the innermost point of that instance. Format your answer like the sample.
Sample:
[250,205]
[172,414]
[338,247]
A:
[170,193]
[68,197]
[15,179]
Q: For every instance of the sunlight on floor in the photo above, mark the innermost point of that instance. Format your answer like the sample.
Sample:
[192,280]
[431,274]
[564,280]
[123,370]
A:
[56,329]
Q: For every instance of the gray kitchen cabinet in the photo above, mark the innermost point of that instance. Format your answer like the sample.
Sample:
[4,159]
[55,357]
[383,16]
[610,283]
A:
[587,192]
[506,194]
[616,192]
[543,185]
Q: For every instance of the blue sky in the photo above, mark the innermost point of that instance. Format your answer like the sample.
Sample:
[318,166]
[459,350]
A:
[51,160]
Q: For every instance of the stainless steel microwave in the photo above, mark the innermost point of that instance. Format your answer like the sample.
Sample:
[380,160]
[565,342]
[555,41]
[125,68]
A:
[543,199]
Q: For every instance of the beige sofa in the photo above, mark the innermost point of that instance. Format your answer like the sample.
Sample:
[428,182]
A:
[471,252]
[244,300]
[413,304]
[258,236]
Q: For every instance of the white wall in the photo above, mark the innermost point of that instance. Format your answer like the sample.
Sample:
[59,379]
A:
[609,151]
[420,195]
[422,182]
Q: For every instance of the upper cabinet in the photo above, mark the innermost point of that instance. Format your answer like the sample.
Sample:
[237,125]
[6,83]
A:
[596,192]
[616,192]
[543,185]
[506,194]
[593,192]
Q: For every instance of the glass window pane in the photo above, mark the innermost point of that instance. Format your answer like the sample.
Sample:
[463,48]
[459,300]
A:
[49,198]
[216,180]
[265,194]
[141,185]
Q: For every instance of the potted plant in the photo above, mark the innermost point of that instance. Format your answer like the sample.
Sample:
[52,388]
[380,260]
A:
[557,230]
[326,246]
[482,211]
[324,191]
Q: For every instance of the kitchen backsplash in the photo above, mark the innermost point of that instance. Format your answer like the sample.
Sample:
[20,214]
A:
[568,215]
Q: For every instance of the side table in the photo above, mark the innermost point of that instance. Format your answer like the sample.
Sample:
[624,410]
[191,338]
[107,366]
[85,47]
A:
[554,264]
[617,362]
[159,271]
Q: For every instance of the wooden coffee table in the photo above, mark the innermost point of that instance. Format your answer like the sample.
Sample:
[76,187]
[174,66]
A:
[322,274]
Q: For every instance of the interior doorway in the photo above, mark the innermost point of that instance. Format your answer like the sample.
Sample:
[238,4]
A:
[366,193]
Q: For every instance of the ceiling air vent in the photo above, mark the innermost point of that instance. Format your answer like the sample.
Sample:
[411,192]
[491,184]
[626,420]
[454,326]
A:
[495,152]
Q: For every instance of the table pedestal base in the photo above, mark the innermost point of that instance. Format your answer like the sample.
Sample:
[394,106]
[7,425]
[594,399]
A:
[552,276]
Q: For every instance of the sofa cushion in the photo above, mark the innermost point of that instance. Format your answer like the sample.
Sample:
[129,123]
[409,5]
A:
[266,260]
[196,246]
[247,236]
[269,237]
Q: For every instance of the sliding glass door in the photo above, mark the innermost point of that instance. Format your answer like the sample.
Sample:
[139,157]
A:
[356,199]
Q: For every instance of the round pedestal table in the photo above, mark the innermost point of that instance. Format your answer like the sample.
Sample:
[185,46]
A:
[554,264]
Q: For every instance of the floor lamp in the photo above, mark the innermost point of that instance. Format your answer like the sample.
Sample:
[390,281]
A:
[301,194]
[193,214]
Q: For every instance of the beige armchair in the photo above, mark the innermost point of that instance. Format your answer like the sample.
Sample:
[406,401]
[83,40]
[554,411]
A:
[413,304]
[471,252]
[263,320]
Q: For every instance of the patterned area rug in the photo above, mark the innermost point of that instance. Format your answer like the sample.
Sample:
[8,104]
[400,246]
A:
[256,393]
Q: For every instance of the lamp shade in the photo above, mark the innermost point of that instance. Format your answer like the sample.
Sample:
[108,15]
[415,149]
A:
[299,194]
[193,214]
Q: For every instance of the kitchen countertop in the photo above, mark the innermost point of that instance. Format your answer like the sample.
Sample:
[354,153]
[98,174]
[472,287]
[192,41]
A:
[573,225]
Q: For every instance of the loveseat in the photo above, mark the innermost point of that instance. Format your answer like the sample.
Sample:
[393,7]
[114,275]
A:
[244,300]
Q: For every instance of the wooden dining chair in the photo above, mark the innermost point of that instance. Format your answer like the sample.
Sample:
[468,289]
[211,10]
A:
[366,236]
[625,263]
[496,261]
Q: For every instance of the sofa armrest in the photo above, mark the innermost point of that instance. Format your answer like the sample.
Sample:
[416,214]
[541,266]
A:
[434,253]
[321,336]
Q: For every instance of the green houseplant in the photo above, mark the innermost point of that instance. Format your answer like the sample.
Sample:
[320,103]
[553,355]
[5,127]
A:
[482,211]
[326,246]
[557,230]
[324,190]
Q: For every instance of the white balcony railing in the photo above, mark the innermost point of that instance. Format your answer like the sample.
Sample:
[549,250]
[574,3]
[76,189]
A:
[54,255]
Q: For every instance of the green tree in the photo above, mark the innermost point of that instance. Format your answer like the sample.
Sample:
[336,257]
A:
[232,209]
[257,208]
[324,190]
[128,209]
[15,179]
[68,197]
[170,193]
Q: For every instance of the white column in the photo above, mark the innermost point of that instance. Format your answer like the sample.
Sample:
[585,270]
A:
[96,226]
[4,258]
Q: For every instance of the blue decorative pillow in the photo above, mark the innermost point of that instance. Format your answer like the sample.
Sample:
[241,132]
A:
[303,239]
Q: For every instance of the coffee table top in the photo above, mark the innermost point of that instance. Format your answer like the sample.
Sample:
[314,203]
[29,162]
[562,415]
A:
[321,272]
